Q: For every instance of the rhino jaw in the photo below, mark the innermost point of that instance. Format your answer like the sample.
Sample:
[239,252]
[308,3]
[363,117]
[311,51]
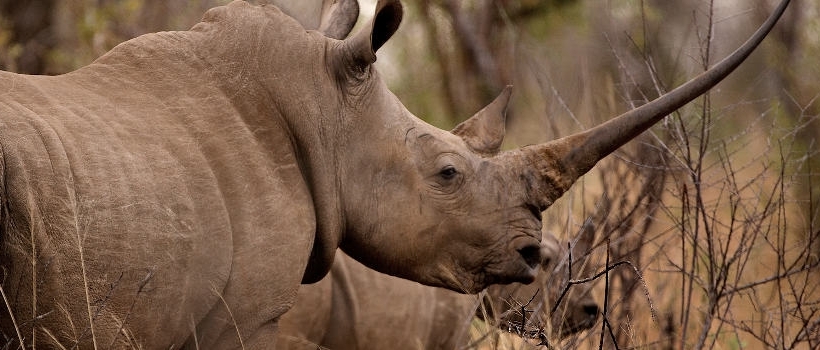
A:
[522,269]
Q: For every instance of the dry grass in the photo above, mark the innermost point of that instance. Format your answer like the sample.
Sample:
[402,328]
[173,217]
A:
[711,218]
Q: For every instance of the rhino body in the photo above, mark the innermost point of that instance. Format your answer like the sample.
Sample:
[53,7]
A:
[139,192]
[176,192]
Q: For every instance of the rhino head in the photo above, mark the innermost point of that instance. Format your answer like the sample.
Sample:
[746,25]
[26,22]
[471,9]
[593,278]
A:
[454,209]
[441,208]
[444,208]
[449,208]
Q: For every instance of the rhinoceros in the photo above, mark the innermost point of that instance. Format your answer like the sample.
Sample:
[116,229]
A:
[354,307]
[176,191]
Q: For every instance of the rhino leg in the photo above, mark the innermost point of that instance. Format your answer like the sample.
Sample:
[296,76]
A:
[304,326]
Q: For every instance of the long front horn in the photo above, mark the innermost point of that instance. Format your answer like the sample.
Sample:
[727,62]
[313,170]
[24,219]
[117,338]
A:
[560,162]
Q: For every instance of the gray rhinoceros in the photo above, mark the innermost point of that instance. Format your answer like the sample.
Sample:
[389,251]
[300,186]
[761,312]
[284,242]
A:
[177,191]
[354,307]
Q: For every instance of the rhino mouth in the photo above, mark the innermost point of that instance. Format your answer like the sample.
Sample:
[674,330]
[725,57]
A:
[521,270]
[519,263]
[570,323]
[517,271]
[571,328]
[526,275]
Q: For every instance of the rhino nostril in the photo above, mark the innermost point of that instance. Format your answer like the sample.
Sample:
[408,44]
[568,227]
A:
[531,255]
[591,310]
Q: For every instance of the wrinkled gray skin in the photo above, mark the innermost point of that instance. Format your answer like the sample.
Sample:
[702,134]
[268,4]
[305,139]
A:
[354,307]
[176,191]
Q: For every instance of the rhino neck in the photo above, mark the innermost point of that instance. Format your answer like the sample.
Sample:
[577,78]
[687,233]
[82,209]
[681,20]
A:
[273,71]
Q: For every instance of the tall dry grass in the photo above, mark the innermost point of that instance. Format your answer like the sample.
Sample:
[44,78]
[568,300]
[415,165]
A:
[707,225]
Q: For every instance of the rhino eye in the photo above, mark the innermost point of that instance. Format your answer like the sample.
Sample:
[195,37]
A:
[448,173]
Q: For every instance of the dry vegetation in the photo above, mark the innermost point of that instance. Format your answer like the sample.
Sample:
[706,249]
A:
[707,226]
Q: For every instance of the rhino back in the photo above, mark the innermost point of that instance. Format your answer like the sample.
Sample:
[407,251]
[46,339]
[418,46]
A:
[128,187]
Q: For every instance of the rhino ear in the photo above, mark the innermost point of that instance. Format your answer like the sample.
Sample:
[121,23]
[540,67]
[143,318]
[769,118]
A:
[338,18]
[484,131]
[385,22]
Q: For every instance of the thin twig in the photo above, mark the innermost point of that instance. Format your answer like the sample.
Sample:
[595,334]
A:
[11,315]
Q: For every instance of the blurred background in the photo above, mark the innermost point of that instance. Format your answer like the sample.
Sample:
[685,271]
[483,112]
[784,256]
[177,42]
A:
[714,212]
